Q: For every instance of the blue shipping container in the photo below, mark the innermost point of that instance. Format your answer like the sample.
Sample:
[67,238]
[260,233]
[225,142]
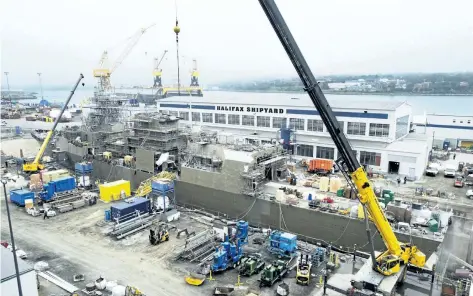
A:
[18,196]
[64,184]
[59,185]
[162,185]
[83,167]
[121,209]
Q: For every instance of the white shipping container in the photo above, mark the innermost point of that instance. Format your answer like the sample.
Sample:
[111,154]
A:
[83,181]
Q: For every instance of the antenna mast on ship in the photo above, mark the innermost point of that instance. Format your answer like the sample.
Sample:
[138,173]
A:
[177,30]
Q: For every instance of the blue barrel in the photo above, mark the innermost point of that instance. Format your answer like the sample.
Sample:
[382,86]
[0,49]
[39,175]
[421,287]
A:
[108,215]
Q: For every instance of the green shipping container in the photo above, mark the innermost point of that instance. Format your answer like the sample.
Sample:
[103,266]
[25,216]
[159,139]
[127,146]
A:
[433,225]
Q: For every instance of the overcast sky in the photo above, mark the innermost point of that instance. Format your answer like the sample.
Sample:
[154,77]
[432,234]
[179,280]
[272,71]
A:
[233,40]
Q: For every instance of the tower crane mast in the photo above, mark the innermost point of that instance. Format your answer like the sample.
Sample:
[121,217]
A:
[157,72]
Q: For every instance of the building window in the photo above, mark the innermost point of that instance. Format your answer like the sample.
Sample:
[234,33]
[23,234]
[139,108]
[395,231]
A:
[325,152]
[234,119]
[263,121]
[379,130]
[207,117]
[174,113]
[454,121]
[279,122]
[221,118]
[248,120]
[315,125]
[402,126]
[356,128]
[370,158]
[305,150]
[342,126]
[296,124]
[195,116]
[184,115]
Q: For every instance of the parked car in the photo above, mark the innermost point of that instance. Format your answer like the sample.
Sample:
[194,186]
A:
[459,182]
[469,194]
[431,171]
[450,171]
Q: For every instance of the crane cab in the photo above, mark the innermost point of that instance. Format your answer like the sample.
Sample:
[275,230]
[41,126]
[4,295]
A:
[32,167]
[388,264]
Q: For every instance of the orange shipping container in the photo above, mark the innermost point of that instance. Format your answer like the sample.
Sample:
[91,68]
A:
[320,164]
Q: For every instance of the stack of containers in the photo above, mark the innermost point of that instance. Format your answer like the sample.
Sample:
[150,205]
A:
[162,188]
[83,172]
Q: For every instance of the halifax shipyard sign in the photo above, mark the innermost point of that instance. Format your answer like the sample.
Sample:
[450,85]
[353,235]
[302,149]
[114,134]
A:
[250,109]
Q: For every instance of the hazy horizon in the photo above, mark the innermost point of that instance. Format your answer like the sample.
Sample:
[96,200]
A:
[232,40]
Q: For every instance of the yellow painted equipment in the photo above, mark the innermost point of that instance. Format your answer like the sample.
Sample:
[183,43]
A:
[397,253]
[145,186]
[132,291]
[107,155]
[195,279]
[113,190]
[128,159]
[35,166]
[304,268]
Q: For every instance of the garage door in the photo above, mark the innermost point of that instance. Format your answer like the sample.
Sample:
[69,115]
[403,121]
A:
[401,158]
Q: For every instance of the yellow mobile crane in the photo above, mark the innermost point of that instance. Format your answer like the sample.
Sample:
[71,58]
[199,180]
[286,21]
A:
[397,253]
[36,165]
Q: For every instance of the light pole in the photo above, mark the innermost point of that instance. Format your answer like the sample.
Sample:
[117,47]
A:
[40,84]
[15,259]
[8,86]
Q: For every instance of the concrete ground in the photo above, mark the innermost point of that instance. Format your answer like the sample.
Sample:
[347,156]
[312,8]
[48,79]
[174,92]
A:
[75,243]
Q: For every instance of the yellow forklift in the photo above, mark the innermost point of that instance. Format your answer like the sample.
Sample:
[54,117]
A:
[304,267]
[158,235]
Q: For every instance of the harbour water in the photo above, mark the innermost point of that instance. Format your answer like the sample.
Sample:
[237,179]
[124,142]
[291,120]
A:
[452,105]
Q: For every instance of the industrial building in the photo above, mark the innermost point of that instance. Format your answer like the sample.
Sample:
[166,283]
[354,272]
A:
[29,284]
[379,132]
[456,130]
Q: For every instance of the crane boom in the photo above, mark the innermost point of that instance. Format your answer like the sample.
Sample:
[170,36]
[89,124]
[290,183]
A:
[35,165]
[397,253]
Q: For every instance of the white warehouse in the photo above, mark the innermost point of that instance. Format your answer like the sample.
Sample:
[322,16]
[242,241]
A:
[378,131]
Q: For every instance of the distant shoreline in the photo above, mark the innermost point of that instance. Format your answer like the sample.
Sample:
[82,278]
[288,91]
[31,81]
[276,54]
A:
[350,93]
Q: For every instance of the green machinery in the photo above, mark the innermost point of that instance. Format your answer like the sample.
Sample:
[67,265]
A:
[273,273]
[250,265]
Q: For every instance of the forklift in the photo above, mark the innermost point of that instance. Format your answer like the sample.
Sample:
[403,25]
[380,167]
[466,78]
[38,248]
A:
[304,267]
[158,235]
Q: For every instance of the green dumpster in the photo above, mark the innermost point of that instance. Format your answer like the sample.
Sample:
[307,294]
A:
[433,225]
[340,192]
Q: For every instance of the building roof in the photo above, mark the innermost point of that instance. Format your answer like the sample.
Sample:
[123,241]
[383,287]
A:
[287,100]
[412,143]
[241,156]
[8,265]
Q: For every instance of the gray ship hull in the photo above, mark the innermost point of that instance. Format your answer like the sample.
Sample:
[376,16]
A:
[305,222]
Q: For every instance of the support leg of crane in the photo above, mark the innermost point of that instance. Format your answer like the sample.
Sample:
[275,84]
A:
[370,239]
